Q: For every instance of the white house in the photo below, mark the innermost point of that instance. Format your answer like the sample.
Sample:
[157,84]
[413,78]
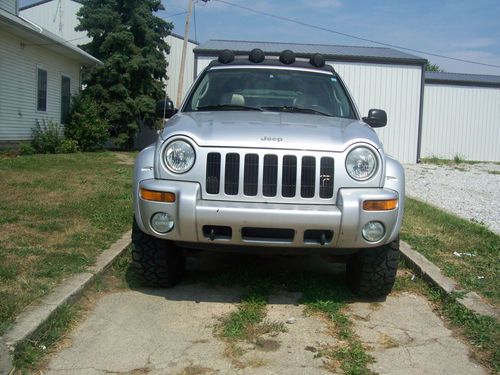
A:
[39,72]
[60,17]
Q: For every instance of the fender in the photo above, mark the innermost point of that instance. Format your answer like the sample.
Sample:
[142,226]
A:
[395,180]
[143,170]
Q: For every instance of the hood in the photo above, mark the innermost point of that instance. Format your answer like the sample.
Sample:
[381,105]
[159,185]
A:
[278,130]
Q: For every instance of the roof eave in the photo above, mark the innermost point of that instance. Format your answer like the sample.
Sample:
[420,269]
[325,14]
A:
[41,38]
[452,82]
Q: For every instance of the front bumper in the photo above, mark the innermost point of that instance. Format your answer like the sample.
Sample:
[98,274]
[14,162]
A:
[191,215]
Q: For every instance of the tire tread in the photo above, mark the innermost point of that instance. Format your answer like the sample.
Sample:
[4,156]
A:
[156,262]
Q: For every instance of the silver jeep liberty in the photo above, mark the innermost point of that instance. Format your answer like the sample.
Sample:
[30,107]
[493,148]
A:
[269,156]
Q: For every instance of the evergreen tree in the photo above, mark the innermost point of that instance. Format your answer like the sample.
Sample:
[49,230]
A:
[129,39]
[429,67]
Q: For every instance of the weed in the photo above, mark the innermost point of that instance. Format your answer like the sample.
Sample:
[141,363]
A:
[458,159]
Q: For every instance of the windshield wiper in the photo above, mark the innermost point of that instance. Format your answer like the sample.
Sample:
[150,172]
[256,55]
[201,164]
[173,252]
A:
[286,108]
[228,107]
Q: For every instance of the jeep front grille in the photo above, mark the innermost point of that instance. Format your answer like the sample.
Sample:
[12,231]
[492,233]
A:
[269,175]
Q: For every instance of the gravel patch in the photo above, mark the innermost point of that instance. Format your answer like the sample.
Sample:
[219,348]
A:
[471,191]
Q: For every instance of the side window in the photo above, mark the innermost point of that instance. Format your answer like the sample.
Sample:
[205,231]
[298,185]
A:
[41,97]
[65,98]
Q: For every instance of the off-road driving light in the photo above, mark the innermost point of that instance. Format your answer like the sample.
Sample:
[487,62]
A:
[287,57]
[226,56]
[361,163]
[179,156]
[157,196]
[382,205]
[256,55]
[317,60]
[373,231]
[162,222]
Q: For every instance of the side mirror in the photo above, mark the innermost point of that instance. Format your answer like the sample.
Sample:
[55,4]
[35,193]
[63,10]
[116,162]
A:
[377,118]
[165,107]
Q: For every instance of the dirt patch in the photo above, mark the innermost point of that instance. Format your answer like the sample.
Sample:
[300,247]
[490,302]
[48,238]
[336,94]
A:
[124,159]
[267,345]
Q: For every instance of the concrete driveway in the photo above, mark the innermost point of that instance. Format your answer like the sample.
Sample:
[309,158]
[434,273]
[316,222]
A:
[171,331]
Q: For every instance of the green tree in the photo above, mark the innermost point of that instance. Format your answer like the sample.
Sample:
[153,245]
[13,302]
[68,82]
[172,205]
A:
[429,67]
[130,40]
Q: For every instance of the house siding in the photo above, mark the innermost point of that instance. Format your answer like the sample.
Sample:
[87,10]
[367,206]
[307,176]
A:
[19,61]
[9,6]
[58,17]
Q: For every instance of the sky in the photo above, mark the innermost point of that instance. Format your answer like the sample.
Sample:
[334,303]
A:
[462,29]
[467,30]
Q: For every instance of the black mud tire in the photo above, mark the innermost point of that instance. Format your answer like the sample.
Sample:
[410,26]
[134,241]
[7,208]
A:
[156,262]
[372,272]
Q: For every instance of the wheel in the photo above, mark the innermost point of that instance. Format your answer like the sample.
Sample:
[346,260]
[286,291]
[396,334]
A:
[372,272]
[156,262]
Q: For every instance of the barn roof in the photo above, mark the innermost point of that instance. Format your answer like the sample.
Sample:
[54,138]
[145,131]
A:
[462,79]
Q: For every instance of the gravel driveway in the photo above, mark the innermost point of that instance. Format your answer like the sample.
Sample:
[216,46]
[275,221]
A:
[471,191]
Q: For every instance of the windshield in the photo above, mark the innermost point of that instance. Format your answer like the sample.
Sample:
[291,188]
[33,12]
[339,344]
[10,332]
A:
[263,89]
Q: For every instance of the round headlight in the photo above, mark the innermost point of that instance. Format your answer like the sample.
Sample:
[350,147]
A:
[179,156]
[361,163]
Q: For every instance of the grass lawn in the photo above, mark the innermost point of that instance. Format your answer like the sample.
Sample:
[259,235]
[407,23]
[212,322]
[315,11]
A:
[57,213]
[438,235]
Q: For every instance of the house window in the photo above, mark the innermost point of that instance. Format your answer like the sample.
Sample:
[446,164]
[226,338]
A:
[65,98]
[41,104]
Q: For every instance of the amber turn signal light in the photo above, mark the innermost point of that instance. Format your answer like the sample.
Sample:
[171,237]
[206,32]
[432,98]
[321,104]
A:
[157,196]
[385,205]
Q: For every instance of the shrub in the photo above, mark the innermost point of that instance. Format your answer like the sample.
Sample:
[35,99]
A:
[47,137]
[86,126]
[68,146]
[26,149]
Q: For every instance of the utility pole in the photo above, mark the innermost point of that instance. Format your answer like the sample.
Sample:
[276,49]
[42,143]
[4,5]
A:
[183,59]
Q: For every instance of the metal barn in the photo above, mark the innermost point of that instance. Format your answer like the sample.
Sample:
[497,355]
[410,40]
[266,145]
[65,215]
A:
[461,116]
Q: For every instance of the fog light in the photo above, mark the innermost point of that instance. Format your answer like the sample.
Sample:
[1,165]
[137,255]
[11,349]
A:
[373,231]
[162,222]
